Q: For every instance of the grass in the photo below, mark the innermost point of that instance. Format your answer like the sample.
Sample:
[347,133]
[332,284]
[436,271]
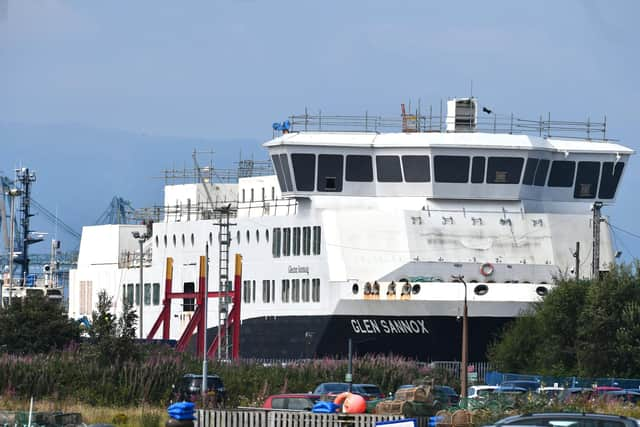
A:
[145,416]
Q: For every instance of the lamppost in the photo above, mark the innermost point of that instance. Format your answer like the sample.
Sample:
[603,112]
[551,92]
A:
[13,193]
[141,237]
[465,343]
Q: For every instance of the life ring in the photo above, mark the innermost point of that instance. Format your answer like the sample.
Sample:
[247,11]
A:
[341,397]
[486,269]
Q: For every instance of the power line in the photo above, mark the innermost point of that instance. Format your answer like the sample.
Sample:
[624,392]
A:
[637,236]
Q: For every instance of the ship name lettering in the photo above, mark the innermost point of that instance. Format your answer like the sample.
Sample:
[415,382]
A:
[396,326]
[298,269]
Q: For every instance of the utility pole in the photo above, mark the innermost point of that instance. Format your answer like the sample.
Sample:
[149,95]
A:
[595,266]
[576,255]
[205,308]
[13,193]
[465,341]
[141,237]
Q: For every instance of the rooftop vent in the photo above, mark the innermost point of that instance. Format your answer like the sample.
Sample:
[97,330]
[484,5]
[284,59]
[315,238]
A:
[462,115]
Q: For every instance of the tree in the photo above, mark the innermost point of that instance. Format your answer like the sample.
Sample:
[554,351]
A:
[36,324]
[586,328]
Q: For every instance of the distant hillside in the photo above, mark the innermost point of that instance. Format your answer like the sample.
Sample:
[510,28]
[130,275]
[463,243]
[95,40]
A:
[80,169]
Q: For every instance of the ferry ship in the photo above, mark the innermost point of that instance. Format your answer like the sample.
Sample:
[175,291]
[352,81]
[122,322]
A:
[371,229]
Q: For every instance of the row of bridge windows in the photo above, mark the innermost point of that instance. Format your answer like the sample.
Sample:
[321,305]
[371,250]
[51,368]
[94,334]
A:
[331,172]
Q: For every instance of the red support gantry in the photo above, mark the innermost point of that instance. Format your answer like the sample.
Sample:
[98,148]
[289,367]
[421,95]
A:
[198,318]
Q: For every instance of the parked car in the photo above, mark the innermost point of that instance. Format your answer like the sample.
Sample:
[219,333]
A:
[550,392]
[452,395]
[291,401]
[526,384]
[368,391]
[189,386]
[625,396]
[480,391]
[573,393]
[567,419]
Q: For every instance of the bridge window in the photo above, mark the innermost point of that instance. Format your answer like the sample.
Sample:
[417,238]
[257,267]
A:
[530,171]
[587,180]
[388,168]
[330,172]
[305,290]
[296,240]
[286,241]
[304,170]
[541,173]
[477,170]
[278,167]
[504,170]
[416,168]
[266,291]
[246,291]
[295,290]
[359,169]
[315,290]
[147,294]
[453,169]
[275,243]
[284,161]
[306,240]
[285,290]
[562,172]
[610,178]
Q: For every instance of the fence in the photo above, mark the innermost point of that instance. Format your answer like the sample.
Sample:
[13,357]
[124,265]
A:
[481,369]
[267,418]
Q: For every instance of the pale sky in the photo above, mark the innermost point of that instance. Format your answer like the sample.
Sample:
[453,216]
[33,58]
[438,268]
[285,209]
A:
[220,72]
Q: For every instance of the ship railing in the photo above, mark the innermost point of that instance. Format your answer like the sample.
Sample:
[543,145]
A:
[420,123]
[131,259]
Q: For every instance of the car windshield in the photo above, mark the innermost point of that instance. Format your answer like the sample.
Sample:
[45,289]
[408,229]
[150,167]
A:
[367,389]
[529,385]
[335,387]
[196,383]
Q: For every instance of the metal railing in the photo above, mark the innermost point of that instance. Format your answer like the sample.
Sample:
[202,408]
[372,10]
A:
[412,123]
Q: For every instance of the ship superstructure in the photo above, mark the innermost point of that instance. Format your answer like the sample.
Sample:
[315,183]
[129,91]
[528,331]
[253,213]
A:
[359,233]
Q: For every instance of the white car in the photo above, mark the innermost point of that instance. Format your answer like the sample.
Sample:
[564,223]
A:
[480,391]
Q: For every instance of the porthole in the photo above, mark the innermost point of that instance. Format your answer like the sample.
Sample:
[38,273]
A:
[165,240]
[355,288]
[157,242]
[174,240]
[542,290]
[376,288]
[391,289]
[210,238]
[266,235]
[257,236]
[248,236]
[415,289]
[238,236]
[183,240]
[193,239]
[367,288]
[481,290]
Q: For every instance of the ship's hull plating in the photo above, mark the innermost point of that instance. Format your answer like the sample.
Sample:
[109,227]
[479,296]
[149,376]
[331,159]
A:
[422,338]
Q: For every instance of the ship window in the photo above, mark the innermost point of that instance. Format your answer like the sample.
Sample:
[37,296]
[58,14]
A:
[246,291]
[273,193]
[263,194]
[296,240]
[147,294]
[257,236]
[137,293]
[275,247]
[561,174]
[252,192]
[156,294]
[165,240]
[278,167]
[304,170]
[451,168]
[182,239]
[253,291]
[388,168]
[295,290]
[174,240]
[316,240]
[306,240]
[193,240]
[248,236]
[305,290]
[286,241]
[285,290]
[330,172]
[238,236]
[477,170]
[130,294]
[157,241]
[315,290]
[359,169]
[587,180]
[541,173]
[266,235]
[416,168]
[610,179]
[504,170]
[189,304]
[284,161]
[529,171]
[266,288]
[243,196]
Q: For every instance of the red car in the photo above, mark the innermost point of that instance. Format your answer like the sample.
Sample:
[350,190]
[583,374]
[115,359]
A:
[291,401]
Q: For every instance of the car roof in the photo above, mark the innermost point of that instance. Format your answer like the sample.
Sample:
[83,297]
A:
[290,395]
[562,415]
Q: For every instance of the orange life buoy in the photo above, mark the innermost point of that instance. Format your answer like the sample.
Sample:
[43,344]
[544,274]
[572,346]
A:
[341,397]
[486,269]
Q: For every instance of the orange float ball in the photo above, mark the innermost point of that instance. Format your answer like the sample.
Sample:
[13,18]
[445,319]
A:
[354,404]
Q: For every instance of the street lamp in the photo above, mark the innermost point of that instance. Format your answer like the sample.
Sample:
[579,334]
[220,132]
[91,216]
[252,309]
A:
[141,237]
[465,342]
